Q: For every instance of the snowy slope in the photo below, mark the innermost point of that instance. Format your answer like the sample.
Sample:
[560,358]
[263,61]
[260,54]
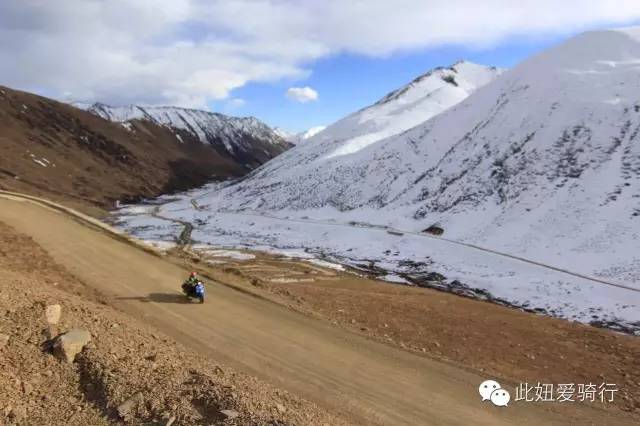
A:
[246,139]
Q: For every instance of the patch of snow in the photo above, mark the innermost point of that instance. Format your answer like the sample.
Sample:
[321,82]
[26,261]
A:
[393,278]
[325,264]
[160,245]
[230,254]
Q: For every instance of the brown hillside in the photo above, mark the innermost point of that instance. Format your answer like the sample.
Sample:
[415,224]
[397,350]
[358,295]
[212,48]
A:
[53,149]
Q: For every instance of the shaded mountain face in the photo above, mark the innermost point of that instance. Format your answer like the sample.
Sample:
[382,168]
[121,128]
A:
[247,140]
[544,161]
[53,149]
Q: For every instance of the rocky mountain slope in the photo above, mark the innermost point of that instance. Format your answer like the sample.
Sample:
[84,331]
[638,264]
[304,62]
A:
[54,149]
[246,140]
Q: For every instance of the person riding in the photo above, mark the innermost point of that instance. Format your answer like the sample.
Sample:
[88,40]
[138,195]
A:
[192,281]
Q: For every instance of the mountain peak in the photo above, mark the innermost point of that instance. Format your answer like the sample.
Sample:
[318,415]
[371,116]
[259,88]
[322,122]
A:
[474,74]
[424,97]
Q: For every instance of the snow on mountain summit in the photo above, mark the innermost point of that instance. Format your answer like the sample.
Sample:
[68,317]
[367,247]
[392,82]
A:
[402,109]
[246,139]
[296,138]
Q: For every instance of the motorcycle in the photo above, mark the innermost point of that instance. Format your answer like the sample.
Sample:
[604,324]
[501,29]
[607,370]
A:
[194,291]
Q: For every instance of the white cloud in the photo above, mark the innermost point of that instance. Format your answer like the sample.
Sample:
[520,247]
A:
[302,94]
[190,52]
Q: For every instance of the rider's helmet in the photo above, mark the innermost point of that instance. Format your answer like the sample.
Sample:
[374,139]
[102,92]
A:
[194,274]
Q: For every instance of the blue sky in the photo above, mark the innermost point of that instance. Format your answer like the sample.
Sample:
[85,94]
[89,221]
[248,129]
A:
[348,82]
[241,56]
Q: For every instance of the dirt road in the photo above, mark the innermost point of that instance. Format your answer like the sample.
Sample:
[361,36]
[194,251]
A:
[365,381]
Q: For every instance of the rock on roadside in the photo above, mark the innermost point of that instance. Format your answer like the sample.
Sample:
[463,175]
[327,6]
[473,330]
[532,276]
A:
[68,345]
[4,339]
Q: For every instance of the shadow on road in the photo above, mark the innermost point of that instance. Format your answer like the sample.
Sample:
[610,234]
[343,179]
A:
[160,298]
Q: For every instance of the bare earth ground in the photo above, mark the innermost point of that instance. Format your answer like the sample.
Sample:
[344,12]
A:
[366,381]
[495,341]
[126,357]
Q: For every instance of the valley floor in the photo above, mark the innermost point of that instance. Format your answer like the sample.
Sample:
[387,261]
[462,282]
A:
[362,380]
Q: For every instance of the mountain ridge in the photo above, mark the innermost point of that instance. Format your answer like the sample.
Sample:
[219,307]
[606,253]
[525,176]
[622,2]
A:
[245,139]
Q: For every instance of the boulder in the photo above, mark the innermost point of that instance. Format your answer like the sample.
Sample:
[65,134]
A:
[68,345]
[434,230]
[52,314]
[4,339]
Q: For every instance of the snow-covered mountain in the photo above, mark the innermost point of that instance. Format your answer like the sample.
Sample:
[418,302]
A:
[542,162]
[402,109]
[330,153]
[296,138]
[247,139]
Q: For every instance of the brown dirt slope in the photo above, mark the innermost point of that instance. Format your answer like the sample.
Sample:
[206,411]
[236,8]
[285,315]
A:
[125,361]
[53,149]
[492,340]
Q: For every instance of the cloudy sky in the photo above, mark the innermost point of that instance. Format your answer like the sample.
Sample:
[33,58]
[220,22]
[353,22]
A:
[294,64]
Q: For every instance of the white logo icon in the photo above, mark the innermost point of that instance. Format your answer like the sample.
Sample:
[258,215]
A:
[500,397]
[490,390]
